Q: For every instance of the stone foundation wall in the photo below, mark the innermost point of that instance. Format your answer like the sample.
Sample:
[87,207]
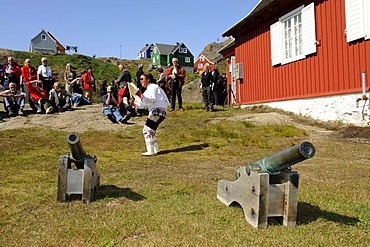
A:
[330,108]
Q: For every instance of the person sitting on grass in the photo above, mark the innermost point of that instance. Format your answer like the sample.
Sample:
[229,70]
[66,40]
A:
[14,100]
[39,98]
[110,108]
[60,99]
[77,94]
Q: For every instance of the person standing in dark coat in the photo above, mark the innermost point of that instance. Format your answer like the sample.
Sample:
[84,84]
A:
[206,84]
[123,78]
[217,86]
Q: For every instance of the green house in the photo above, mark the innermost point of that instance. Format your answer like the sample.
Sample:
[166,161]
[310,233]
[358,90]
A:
[162,56]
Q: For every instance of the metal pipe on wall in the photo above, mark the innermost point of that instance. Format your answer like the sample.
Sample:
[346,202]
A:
[363,72]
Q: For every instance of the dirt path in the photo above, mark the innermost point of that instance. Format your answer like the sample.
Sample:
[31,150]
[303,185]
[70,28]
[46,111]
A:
[81,119]
[91,118]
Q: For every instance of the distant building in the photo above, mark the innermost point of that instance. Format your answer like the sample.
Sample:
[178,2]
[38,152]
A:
[45,42]
[146,52]
[201,62]
[162,56]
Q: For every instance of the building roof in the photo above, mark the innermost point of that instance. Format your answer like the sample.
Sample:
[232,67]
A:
[178,45]
[47,33]
[261,5]
[165,49]
[202,55]
[229,45]
[147,46]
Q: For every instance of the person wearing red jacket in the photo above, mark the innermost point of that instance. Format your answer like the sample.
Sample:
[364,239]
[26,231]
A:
[29,73]
[176,78]
[39,97]
[12,73]
[88,83]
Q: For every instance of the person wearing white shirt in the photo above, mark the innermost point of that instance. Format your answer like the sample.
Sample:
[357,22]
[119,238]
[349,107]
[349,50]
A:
[45,75]
[157,102]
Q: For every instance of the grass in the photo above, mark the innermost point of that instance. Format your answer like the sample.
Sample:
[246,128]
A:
[170,199]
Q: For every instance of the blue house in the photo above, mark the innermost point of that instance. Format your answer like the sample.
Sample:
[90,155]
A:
[146,52]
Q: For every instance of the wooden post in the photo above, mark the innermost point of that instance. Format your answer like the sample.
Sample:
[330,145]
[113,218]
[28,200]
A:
[262,195]
[77,181]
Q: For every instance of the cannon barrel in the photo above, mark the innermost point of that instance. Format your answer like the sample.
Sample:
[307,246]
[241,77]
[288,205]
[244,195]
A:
[275,163]
[77,152]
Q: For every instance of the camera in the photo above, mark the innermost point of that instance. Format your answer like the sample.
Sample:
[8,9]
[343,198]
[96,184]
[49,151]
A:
[39,85]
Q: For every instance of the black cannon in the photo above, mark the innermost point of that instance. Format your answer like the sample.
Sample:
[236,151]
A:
[267,187]
[84,179]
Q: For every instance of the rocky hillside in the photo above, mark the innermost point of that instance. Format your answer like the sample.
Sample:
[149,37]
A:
[211,51]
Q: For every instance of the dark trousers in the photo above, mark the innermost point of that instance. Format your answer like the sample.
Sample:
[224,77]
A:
[176,91]
[207,97]
[48,85]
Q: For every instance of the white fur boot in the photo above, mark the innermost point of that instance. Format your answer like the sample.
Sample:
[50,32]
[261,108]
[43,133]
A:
[156,147]
[150,147]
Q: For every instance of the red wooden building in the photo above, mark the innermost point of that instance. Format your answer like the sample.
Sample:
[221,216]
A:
[288,50]
[201,62]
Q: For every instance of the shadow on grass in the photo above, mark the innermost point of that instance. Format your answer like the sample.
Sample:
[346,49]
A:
[308,213]
[112,191]
[185,149]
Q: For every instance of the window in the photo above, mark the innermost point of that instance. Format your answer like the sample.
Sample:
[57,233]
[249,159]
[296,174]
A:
[293,36]
[200,66]
[183,50]
[43,37]
[202,59]
[357,19]
[187,59]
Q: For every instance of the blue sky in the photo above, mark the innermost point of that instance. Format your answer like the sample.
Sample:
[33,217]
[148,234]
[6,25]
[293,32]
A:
[114,28]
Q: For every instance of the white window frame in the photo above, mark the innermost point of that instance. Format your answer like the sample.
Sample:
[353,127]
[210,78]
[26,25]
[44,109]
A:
[200,66]
[183,50]
[303,36]
[43,36]
[357,19]
[292,45]
[187,59]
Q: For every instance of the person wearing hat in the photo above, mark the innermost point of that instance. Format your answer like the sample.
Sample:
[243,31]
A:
[139,72]
[44,74]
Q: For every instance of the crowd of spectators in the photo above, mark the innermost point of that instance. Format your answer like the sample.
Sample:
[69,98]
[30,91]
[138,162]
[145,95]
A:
[120,98]
[38,87]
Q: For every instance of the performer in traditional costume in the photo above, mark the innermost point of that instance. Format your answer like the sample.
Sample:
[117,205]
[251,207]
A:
[157,102]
